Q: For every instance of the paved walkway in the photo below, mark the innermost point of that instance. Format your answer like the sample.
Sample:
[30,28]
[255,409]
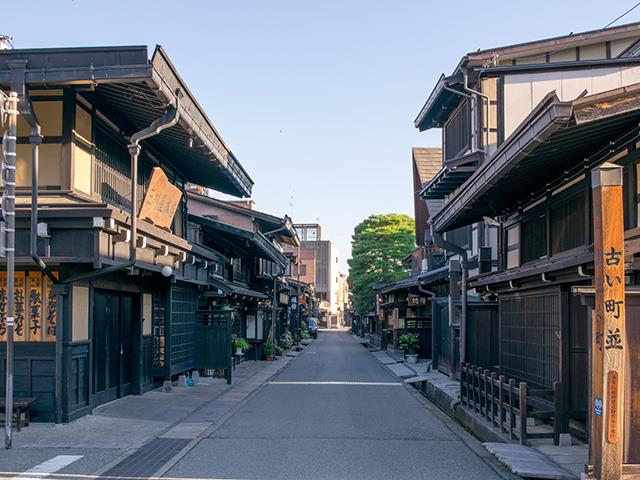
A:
[119,428]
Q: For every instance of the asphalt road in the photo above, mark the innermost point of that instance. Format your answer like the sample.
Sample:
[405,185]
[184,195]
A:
[370,428]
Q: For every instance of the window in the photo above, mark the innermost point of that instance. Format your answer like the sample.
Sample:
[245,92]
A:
[49,113]
[513,247]
[460,236]
[534,238]
[568,224]
[239,270]
[559,225]
[83,124]
[265,267]
[194,233]
[457,132]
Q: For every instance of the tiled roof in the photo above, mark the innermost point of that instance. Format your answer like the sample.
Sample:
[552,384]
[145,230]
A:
[428,161]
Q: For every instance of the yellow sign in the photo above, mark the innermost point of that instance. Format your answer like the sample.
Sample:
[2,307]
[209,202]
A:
[34,302]
[161,200]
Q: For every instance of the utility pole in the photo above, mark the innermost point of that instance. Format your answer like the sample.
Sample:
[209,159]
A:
[299,264]
[8,213]
[608,341]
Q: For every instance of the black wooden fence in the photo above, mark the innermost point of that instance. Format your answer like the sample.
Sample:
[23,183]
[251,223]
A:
[506,404]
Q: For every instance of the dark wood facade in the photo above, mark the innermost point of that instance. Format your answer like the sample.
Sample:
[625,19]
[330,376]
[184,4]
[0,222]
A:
[257,272]
[535,146]
[120,313]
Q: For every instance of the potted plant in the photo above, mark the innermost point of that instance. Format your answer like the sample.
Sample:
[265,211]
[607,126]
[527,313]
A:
[268,349]
[241,345]
[285,344]
[409,342]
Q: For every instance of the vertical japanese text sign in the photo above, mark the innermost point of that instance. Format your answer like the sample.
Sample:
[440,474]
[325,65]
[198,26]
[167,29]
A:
[608,331]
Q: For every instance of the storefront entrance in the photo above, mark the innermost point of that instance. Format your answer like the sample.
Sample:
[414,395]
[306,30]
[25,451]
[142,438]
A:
[112,345]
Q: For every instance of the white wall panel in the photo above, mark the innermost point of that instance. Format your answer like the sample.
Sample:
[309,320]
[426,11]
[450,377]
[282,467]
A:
[523,92]
[517,100]
[543,84]
[630,75]
[573,84]
[604,79]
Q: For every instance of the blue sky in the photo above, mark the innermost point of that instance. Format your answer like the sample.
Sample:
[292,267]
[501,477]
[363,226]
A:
[316,99]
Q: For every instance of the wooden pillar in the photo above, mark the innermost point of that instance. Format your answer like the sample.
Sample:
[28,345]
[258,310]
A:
[608,342]
[455,278]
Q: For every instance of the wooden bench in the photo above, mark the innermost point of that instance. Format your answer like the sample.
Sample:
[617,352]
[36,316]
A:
[21,410]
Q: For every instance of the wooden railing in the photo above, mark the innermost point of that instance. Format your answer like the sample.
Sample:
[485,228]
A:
[506,404]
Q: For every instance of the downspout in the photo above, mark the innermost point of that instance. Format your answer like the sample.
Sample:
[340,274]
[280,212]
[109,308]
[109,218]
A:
[169,119]
[486,97]
[466,95]
[439,241]
[35,139]
[421,289]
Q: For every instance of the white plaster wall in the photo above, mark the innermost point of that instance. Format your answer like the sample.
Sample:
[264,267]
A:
[522,92]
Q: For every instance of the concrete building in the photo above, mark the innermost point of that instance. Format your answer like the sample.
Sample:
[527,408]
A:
[319,265]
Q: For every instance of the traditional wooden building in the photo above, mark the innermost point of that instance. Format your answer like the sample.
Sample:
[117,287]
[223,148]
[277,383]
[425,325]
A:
[107,283]
[403,306]
[254,281]
[523,127]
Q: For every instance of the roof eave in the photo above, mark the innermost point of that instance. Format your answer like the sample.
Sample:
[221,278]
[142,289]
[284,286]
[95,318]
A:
[169,84]
[559,41]
[546,120]
[128,64]
[428,106]
[552,116]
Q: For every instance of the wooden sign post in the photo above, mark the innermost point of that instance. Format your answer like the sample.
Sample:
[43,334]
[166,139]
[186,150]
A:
[608,342]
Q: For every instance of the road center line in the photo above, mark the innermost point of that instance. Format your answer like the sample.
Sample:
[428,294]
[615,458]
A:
[374,384]
[49,467]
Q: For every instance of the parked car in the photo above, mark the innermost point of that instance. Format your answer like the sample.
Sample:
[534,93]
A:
[313,327]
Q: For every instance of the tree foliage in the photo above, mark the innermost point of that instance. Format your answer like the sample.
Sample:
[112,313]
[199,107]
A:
[378,245]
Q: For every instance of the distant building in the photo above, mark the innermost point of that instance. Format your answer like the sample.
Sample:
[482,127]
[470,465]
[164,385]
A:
[319,265]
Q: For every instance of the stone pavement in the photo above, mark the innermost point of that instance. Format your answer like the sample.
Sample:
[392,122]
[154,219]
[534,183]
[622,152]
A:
[527,462]
[118,428]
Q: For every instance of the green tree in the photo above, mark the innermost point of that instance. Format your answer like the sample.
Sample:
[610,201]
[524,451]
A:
[378,245]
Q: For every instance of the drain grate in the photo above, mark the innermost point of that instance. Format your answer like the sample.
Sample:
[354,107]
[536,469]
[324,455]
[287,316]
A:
[146,461]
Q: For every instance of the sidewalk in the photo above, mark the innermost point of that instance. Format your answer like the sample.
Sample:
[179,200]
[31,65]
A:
[115,430]
[541,460]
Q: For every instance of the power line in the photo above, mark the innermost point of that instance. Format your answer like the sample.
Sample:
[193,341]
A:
[624,14]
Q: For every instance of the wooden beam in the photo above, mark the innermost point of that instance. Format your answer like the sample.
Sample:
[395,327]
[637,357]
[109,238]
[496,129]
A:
[609,341]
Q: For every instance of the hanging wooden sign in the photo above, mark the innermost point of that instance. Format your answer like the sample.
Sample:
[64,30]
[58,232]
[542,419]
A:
[160,201]
[50,312]
[20,325]
[34,301]
[35,308]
